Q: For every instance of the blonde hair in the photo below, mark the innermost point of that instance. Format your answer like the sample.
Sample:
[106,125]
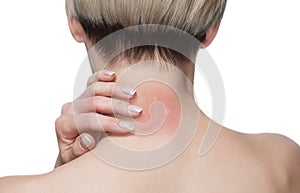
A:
[100,18]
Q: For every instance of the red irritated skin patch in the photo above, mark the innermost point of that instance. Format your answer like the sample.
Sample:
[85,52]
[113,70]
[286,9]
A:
[161,108]
[159,121]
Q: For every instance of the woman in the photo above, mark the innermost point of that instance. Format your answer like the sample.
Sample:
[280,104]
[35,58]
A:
[162,80]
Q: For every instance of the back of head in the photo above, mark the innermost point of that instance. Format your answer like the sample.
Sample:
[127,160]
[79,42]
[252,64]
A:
[101,18]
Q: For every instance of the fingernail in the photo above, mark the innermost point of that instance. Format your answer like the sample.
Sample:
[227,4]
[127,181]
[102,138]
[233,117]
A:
[126,125]
[135,109]
[108,72]
[128,91]
[85,142]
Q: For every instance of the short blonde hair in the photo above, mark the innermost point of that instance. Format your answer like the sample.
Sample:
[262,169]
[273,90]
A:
[100,18]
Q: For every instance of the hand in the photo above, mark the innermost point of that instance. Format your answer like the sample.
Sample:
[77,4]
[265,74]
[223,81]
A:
[91,112]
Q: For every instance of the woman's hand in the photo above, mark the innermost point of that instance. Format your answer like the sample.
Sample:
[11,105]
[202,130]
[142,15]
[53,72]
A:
[93,111]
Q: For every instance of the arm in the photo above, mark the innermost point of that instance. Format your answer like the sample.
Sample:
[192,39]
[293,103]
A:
[286,154]
[294,160]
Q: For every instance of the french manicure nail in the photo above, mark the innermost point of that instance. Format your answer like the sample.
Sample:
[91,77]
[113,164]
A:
[108,73]
[85,142]
[128,91]
[126,125]
[135,109]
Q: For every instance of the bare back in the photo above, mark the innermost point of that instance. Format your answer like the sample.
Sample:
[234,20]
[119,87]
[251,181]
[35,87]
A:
[237,163]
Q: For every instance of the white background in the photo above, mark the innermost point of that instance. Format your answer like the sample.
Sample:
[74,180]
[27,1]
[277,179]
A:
[256,50]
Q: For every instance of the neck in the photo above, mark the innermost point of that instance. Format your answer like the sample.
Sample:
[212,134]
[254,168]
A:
[166,95]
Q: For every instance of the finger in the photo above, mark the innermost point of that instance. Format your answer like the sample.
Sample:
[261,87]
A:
[67,109]
[108,89]
[68,127]
[103,75]
[105,105]
[65,127]
[98,89]
[95,122]
[83,143]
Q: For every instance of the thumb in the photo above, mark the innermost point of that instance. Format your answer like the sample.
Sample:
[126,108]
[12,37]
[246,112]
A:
[83,143]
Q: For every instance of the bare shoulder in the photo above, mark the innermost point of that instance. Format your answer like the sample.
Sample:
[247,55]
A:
[273,138]
[274,154]
[19,184]
[283,151]
[275,146]
[283,155]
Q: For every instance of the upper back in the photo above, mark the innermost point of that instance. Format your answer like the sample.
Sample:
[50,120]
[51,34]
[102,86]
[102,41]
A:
[237,163]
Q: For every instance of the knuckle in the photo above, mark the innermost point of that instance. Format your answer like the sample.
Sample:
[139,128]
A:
[110,87]
[66,108]
[63,124]
[99,99]
[90,80]
[98,103]
[92,121]
[94,78]
[59,124]
[95,87]
[92,102]
[118,105]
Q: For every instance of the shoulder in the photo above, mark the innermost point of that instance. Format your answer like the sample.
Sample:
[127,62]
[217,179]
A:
[280,156]
[269,162]
[277,147]
[273,158]
[19,184]
[283,155]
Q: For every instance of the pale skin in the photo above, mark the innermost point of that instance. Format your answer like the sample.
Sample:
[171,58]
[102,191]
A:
[93,101]
[236,163]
